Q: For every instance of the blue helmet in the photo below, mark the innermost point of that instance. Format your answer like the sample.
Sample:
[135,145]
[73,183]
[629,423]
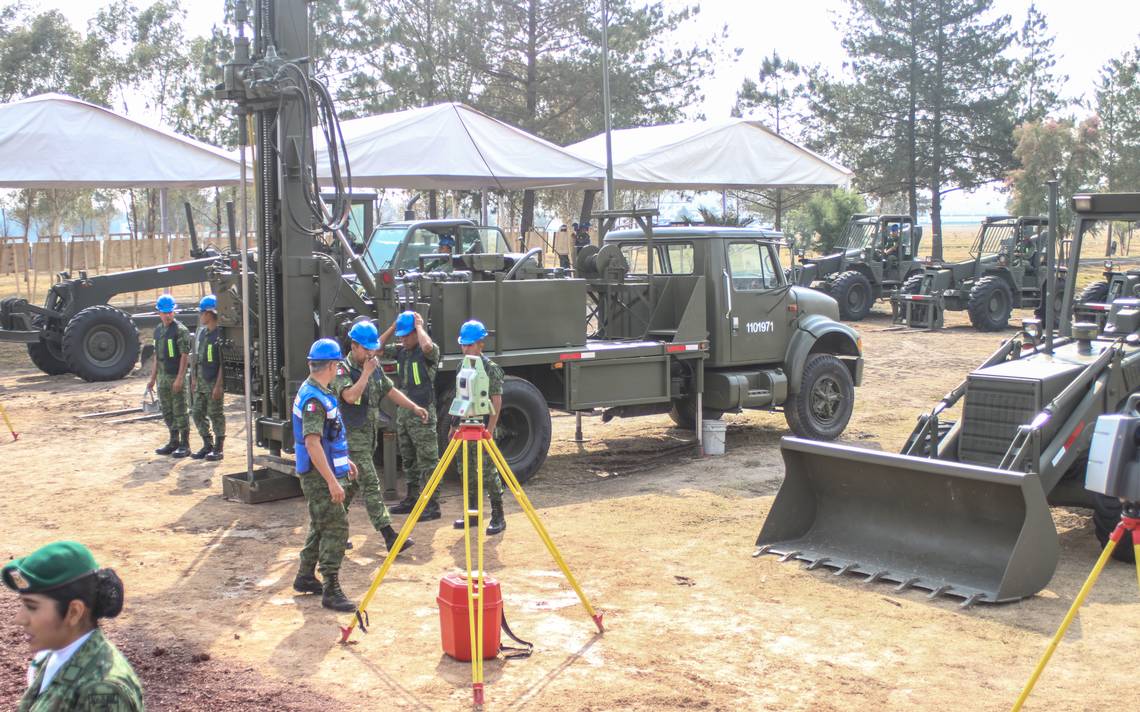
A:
[208,303]
[446,240]
[405,323]
[365,334]
[325,350]
[165,304]
[471,332]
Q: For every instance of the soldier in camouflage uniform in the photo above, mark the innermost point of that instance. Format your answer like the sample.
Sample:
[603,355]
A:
[63,594]
[472,336]
[171,358]
[325,471]
[446,246]
[361,385]
[417,359]
[208,396]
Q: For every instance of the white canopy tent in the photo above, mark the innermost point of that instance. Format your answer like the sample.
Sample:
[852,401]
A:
[710,155]
[57,141]
[454,147]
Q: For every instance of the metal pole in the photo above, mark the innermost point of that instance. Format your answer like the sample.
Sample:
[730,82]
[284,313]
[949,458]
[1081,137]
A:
[484,208]
[578,427]
[1050,285]
[606,103]
[247,354]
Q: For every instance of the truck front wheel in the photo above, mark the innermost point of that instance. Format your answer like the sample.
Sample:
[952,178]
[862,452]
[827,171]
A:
[101,343]
[855,295]
[822,406]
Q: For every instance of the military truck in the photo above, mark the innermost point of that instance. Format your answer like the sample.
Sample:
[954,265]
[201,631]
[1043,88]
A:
[1006,269]
[963,510]
[708,323]
[875,255]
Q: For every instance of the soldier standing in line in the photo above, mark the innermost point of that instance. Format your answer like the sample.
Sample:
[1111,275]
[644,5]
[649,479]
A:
[417,359]
[325,470]
[63,594]
[171,357]
[361,385]
[472,339]
[208,397]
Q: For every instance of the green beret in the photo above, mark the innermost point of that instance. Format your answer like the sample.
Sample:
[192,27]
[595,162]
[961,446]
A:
[48,567]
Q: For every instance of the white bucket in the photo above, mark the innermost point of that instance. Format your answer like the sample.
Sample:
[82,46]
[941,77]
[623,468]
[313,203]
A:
[712,433]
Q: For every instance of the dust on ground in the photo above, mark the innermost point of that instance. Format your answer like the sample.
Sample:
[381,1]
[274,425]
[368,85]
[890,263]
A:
[660,540]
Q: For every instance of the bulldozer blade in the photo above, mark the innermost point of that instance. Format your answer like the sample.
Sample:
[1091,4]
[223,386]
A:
[977,533]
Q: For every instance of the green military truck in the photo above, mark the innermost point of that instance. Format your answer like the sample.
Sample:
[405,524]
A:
[709,325]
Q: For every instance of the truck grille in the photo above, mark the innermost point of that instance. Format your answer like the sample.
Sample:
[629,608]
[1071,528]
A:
[993,411]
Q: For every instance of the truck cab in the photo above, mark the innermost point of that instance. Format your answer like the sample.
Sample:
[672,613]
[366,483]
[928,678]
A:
[399,246]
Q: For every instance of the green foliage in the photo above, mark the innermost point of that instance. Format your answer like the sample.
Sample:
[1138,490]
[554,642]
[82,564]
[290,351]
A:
[1047,149]
[819,222]
[1039,86]
[777,95]
[1118,106]
[727,219]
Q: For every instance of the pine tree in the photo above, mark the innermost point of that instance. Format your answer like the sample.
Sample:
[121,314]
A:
[1039,84]
[1118,106]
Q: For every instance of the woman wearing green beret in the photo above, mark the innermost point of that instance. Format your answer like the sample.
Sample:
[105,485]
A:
[64,593]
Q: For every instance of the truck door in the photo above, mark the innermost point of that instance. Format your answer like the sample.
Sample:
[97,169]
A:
[757,302]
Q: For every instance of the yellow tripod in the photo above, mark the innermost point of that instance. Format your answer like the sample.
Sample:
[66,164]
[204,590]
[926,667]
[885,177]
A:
[4,414]
[1129,522]
[471,431]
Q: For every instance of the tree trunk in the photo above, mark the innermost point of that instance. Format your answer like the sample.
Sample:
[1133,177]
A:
[936,136]
[527,221]
[433,205]
[587,206]
[779,209]
[912,116]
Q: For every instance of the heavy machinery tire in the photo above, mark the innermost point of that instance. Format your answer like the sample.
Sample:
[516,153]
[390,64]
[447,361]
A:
[912,285]
[684,413]
[524,429]
[1106,515]
[101,343]
[1094,293]
[822,405]
[854,293]
[990,304]
[46,356]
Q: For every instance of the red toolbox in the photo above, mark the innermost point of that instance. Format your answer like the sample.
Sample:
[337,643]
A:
[454,628]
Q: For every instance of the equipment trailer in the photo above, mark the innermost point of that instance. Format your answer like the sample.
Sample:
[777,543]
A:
[964,509]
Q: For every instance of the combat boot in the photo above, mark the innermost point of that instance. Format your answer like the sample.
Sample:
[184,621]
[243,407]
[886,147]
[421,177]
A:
[171,444]
[183,449]
[431,511]
[207,447]
[390,536]
[405,505]
[498,521]
[333,598]
[216,453]
[306,581]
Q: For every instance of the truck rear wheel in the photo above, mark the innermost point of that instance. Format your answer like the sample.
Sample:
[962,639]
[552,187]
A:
[1095,293]
[1106,515]
[854,293]
[101,343]
[46,355]
[822,406]
[684,413]
[990,304]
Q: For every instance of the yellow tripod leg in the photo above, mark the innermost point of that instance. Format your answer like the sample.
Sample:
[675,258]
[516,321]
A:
[1136,552]
[405,532]
[1084,592]
[516,489]
[474,577]
[479,534]
[4,413]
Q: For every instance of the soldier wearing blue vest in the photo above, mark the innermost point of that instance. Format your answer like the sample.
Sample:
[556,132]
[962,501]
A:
[321,448]
[171,357]
[208,397]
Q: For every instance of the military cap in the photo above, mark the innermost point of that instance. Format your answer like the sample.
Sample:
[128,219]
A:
[49,567]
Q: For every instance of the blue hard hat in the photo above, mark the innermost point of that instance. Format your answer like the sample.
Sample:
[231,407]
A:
[165,304]
[208,303]
[365,334]
[471,332]
[325,350]
[446,240]
[405,323]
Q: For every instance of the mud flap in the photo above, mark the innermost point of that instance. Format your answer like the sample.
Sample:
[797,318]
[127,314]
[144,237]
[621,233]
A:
[978,533]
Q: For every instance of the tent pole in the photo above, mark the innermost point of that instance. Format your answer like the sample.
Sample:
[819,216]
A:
[606,103]
[484,209]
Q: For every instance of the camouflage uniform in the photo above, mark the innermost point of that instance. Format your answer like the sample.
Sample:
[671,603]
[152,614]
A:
[362,438]
[418,441]
[205,410]
[492,482]
[328,521]
[174,411]
[97,677]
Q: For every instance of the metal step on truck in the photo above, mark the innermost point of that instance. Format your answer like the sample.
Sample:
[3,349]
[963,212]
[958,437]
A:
[694,322]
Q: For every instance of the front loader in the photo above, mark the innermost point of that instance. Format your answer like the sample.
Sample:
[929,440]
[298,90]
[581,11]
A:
[963,510]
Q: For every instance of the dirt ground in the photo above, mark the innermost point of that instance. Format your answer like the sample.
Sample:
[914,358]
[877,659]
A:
[660,540]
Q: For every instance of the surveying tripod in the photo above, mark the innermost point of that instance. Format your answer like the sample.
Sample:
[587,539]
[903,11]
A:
[472,431]
[1129,522]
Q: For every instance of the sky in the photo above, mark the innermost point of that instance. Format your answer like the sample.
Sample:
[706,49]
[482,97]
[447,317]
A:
[1088,33]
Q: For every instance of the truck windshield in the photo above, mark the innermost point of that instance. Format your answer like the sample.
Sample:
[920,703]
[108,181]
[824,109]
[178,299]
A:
[672,257]
[994,238]
[860,235]
[483,239]
[382,248]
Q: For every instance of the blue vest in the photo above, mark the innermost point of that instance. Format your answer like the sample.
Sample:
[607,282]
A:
[333,439]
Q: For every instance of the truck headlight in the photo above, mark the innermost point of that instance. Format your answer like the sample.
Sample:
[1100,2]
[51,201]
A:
[1082,203]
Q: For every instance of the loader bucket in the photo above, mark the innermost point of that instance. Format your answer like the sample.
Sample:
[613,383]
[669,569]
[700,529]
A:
[978,533]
